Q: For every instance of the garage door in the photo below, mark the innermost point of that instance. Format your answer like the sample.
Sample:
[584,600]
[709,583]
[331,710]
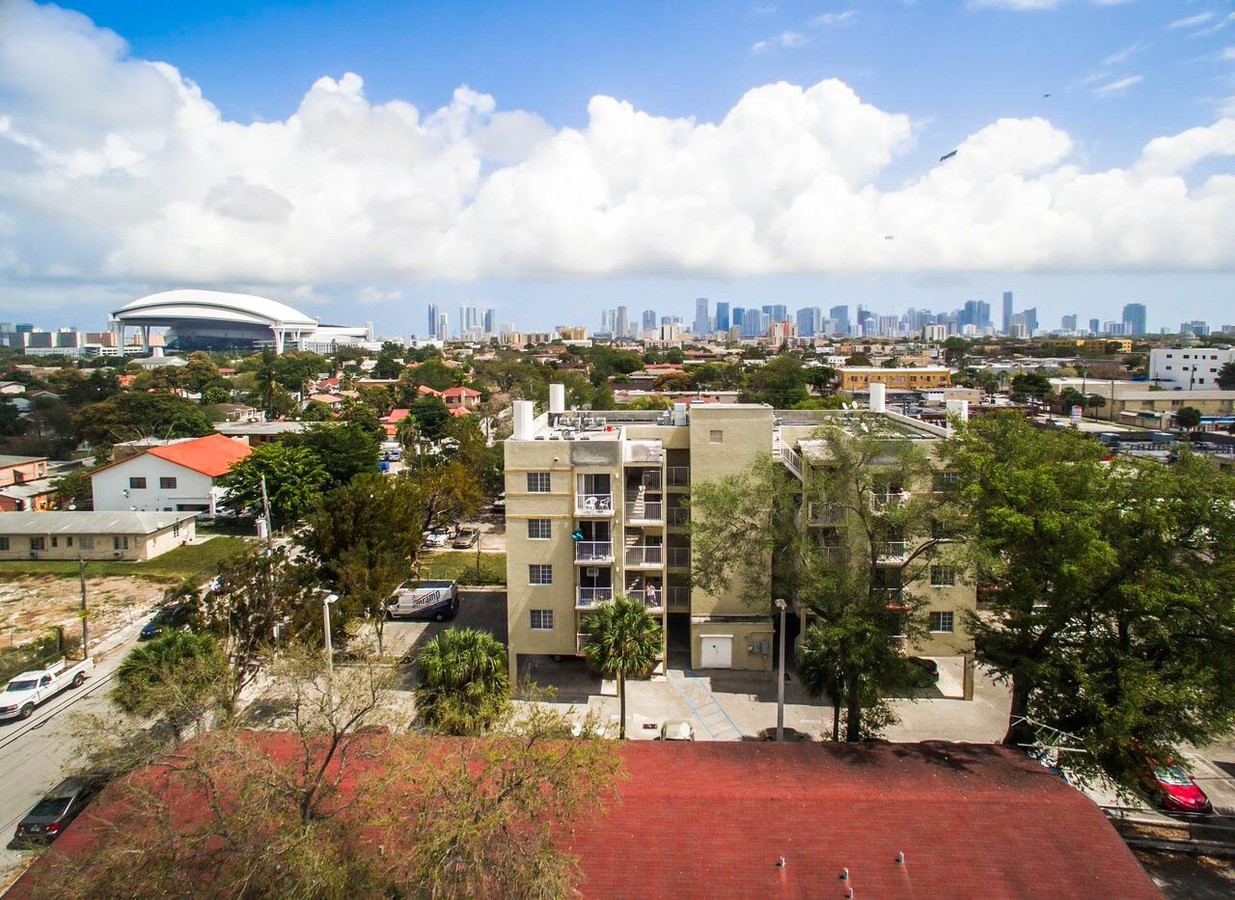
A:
[717,651]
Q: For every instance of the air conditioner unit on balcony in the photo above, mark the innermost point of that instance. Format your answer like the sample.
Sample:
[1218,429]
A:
[592,571]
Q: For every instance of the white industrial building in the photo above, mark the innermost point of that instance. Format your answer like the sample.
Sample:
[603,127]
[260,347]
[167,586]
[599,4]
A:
[1188,368]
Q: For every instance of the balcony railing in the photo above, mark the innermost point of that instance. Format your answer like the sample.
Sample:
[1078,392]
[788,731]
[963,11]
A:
[580,642]
[640,555]
[677,476]
[591,597]
[679,558]
[678,597]
[594,504]
[678,516]
[824,513]
[594,551]
[893,550]
[642,511]
[653,600]
[890,500]
[649,480]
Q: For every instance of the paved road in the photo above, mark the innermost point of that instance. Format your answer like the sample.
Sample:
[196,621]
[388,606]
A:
[37,753]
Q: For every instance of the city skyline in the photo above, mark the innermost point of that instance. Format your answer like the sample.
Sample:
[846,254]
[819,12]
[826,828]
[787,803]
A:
[360,163]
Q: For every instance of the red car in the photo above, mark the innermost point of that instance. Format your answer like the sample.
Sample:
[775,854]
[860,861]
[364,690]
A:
[1173,789]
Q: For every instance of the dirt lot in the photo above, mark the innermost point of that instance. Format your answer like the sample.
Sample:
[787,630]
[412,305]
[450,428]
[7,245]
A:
[30,606]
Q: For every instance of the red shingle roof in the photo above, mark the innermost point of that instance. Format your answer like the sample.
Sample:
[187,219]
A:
[212,455]
[460,391]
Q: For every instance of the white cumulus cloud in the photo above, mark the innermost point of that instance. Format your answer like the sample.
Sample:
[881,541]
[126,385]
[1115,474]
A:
[119,171]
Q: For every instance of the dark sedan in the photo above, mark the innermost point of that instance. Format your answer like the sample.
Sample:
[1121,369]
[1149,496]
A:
[53,813]
[170,618]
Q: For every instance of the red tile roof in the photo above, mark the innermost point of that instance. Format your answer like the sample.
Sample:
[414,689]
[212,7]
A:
[713,820]
[460,391]
[212,455]
[397,415]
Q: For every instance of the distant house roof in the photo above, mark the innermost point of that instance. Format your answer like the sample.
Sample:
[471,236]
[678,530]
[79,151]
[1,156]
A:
[460,391]
[212,455]
[396,416]
[6,461]
[90,522]
[425,391]
[734,819]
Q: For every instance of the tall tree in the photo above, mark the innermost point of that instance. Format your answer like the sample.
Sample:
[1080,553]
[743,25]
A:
[294,479]
[1226,376]
[1112,614]
[623,642]
[780,382]
[128,416]
[461,682]
[179,676]
[345,449]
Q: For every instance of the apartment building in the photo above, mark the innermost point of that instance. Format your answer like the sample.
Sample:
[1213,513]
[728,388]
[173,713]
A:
[596,505]
[920,378]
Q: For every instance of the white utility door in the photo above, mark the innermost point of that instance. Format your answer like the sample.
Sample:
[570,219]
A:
[717,651]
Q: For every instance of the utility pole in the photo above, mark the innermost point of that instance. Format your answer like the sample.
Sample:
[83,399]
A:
[780,684]
[85,627]
[266,515]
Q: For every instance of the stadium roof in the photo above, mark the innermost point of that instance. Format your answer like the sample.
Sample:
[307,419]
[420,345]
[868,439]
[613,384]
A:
[215,306]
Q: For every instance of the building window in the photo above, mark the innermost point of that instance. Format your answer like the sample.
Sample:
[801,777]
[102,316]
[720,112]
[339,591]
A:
[175,529]
[85,543]
[716,436]
[68,541]
[542,619]
[539,529]
[18,478]
[4,543]
[166,483]
[137,483]
[120,542]
[943,576]
[944,482]
[539,574]
[55,541]
[942,621]
[538,482]
[38,543]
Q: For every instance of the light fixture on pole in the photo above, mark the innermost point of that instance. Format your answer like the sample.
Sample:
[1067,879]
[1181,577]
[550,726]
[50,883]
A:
[326,601]
[780,684]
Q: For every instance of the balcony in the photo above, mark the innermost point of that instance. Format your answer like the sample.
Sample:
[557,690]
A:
[893,551]
[679,557]
[643,511]
[653,600]
[889,500]
[824,513]
[677,476]
[594,553]
[648,479]
[591,597]
[678,597]
[593,504]
[678,516]
[641,556]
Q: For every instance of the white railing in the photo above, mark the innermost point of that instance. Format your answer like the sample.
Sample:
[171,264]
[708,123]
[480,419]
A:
[594,504]
[679,558]
[890,500]
[677,476]
[648,480]
[640,555]
[792,460]
[678,597]
[591,597]
[580,642]
[642,511]
[893,550]
[654,599]
[594,551]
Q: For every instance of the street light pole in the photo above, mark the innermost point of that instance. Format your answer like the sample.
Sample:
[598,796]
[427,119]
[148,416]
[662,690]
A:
[85,627]
[326,601]
[780,684]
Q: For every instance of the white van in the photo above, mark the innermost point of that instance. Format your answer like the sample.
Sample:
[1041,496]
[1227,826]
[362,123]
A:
[437,600]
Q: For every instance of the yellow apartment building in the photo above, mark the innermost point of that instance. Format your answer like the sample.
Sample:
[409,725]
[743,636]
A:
[859,378]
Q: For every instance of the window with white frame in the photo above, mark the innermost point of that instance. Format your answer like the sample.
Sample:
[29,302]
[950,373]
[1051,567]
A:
[542,619]
[943,576]
[943,621]
[539,574]
[538,482]
[539,529]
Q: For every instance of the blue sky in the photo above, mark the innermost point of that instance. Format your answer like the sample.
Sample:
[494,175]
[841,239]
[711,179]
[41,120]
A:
[636,153]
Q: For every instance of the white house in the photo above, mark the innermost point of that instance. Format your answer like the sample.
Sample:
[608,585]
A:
[174,478]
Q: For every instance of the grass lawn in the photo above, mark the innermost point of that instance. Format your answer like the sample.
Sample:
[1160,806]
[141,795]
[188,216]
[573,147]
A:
[196,561]
[461,567]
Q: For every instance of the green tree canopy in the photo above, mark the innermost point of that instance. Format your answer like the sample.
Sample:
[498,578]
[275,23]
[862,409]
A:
[130,415]
[294,476]
[462,685]
[780,382]
[623,642]
[344,449]
[1226,376]
[431,417]
[1111,612]
[1188,418]
[1030,386]
[179,676]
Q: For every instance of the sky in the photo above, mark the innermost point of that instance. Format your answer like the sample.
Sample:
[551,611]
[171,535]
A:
[552,160]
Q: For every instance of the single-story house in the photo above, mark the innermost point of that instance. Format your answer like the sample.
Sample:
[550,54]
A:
[257,433]
[92,535]
[20,469]
[460,399]
[178,477]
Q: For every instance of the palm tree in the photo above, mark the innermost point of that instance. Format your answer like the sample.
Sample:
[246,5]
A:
[462,686]
[179,675]
[267,383]
[623,642]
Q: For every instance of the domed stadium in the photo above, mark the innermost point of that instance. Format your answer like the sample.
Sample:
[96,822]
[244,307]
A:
[217,320]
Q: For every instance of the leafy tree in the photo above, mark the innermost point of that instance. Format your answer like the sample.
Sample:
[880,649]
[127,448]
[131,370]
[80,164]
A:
[623,642]
[1188,418]
[129,416]
[389,364]
[1226,376]
[216,394]
[294,478]
[431,417]
[821,378]
[10,417]
[462,686]
[199,373]
[74,489]
[266,380]
[179,676]
[1112,615]
[780,382]
[1030,385]
[892,362]
[1070,397]
[674,381]
[954,351]
[344,449]
[858,359]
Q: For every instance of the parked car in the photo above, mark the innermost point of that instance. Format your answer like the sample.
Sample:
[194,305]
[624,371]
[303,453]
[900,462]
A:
[499,502]
[437,537]
[1168,785]
[677,730]
[172,617]
[467,537]
[437,600]
[51,815]
[29,689]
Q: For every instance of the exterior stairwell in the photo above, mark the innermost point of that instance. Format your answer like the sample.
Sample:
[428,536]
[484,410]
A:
[786,455]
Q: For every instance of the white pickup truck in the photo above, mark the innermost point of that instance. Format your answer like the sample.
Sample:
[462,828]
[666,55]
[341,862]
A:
[30,689]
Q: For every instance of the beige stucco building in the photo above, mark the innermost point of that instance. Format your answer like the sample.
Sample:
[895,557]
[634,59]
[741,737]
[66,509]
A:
[133,536]
[596,505]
